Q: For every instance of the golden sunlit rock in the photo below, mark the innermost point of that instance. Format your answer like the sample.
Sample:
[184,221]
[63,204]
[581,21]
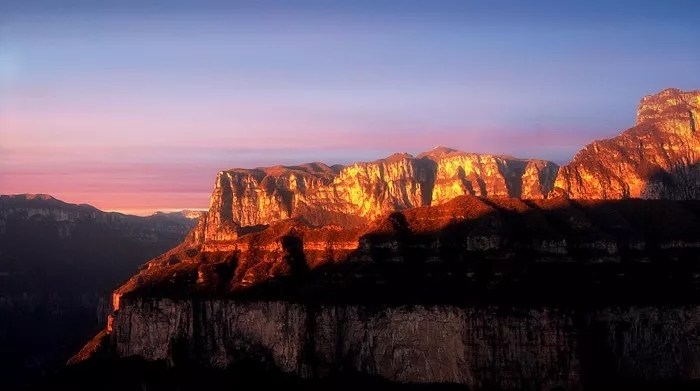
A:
[657,158]
[360,192]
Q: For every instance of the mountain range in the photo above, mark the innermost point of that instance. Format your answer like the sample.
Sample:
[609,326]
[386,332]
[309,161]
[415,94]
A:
[58,263]
[402,262]
[655,159]
[401,268]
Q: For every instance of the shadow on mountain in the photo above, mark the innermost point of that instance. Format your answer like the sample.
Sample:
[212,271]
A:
[568,253]
[577,255]
[135,373]
[681,182]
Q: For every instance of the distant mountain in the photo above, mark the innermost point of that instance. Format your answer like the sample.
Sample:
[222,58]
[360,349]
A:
[58,261]
[50,244]
[182,214]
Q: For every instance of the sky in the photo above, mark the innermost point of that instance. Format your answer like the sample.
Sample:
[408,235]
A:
[136,105]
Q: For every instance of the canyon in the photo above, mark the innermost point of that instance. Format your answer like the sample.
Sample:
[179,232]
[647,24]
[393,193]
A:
[444,268]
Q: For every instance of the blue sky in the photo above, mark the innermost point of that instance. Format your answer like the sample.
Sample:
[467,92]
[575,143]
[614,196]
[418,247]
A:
[92,92]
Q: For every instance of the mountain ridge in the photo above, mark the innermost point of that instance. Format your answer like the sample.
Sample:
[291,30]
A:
[286,260]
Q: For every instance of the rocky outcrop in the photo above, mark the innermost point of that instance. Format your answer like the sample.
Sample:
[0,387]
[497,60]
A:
[657,158]
[356,194]
[480,347]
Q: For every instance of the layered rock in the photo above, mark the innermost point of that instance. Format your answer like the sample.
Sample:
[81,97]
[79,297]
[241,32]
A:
[358,193]
[657,158]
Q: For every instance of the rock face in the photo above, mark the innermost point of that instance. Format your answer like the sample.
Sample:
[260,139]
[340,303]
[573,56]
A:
[482,348]
[356,194]
[422,269]
[657,158]
[482,292]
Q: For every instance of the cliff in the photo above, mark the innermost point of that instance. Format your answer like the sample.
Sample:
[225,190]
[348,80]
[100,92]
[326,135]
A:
[447,267]
[358,193]
[462,292]
[479,347]
[657,158]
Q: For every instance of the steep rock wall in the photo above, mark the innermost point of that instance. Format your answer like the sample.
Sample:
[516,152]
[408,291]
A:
[477,347]
[657,158]
[356,194]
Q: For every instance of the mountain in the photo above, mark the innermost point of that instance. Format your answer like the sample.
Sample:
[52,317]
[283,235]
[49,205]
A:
[657,158]
[356,194]
[182,214]
[52,244]
[447,267]
[58,261]
[476,291]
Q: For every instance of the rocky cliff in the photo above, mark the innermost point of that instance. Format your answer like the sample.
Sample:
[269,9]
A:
[360,192]
[480,347]
[476,291]
[657,158]
[445,267]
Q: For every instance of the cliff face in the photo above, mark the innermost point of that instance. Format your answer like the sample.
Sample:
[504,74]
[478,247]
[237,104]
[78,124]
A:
[657,158]
[477,291]
[482,348]
[356,194]
[421,269]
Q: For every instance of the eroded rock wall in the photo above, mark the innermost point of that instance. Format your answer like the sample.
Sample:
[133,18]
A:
[478,347]
[360,192]
[657,158]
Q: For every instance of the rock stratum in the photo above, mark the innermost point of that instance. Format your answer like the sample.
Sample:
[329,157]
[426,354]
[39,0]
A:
[453,268]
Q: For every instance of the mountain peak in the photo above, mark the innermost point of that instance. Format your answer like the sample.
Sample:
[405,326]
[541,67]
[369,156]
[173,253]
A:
[671,105]
[656,158]
[437,152]
[32,196]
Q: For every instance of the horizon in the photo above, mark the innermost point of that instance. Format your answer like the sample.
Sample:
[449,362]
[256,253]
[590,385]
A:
[129,106]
